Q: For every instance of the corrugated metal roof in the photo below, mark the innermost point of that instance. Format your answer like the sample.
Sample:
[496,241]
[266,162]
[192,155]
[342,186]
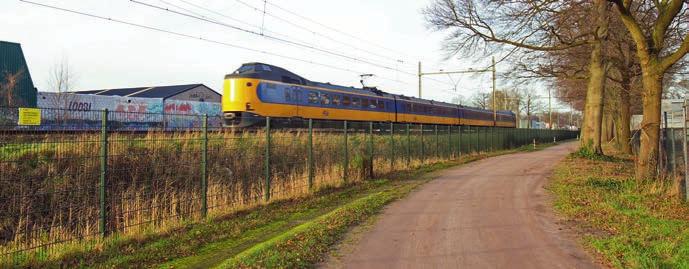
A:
[119,92]
[146,92]
[165,91]
[12,62]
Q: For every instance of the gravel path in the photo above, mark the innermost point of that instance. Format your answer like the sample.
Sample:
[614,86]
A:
[492,213]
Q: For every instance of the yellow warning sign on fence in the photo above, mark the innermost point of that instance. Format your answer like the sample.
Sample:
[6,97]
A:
[29,116]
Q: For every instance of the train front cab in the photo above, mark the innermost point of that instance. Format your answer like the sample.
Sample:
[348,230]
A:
[239,102]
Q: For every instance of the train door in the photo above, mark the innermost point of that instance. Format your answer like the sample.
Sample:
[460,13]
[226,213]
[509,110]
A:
[298,99]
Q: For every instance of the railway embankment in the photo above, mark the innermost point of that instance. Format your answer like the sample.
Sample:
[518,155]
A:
[287,234]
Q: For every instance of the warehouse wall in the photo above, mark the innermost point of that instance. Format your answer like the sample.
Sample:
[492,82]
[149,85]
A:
[200,94]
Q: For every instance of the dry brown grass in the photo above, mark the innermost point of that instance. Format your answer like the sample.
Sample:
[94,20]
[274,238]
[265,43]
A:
[50,182]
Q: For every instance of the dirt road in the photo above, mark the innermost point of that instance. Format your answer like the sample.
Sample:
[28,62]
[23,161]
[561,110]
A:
[492,213]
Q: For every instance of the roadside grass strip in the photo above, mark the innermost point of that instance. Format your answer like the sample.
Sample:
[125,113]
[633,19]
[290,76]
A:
[306,244]
[626,223]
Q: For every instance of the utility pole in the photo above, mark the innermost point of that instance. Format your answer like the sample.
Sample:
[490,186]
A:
[495,112]
[420,74]
[471,70]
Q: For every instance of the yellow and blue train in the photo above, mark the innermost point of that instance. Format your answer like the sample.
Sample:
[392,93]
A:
[257,90]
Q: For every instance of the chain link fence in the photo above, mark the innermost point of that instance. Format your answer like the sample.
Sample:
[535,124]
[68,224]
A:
[79,178]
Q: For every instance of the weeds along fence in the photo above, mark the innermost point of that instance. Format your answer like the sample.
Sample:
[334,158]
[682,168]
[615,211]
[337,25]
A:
[74,181]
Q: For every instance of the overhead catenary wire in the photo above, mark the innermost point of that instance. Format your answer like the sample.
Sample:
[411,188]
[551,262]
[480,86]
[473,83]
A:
[332,28]
[289,42]
[314,32]
[286,41]
[258,28]
[200,38]
[261,30]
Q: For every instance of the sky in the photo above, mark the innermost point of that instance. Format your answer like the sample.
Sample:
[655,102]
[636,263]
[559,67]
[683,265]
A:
[326,41]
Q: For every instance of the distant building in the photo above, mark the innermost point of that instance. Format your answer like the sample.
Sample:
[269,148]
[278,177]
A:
[673,108]
[16,87]
[175,99]
[189,92]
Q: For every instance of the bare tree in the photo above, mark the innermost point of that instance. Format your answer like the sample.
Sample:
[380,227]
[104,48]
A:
[531,25]
[480,100]
[530,103]
[62,79]
[653,25]
[8,83]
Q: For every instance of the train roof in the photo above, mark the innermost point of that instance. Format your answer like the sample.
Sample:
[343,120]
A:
[270,72]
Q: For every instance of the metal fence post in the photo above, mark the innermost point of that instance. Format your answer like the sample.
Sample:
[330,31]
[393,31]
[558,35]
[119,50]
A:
[267,161]
[486,143]
[392,146]
[423,152]
[480,146]
[103,172]
[310,154]
[204,167]
[408,146]
[492,138]
[449,154]
[684,153]
[437,146]
[673,161]
[459,141]
[370,148]
[345,166]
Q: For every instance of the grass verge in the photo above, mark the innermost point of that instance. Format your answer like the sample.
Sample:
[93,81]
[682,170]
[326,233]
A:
[289,233]
[628,224]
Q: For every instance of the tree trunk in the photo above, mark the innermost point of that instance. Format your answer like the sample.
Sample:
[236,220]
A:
[593,108]
[623,115]
[647,160]
[605,127]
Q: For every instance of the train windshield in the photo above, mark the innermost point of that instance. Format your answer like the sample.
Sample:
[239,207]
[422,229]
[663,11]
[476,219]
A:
[245,69]
[251,68]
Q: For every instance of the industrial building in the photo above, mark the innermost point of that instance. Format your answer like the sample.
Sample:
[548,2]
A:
[188,92]
[16,86]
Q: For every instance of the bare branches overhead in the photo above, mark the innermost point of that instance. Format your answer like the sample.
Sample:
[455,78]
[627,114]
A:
[488,25]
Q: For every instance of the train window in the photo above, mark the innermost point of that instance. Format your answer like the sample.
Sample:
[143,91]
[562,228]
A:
[288,95]
[291,80]
[346,101]
[245,69]
[325,99]
[336,100]
[373,104]
[356,102]
[364,102]
[313,97]
[381,104]
[407,107]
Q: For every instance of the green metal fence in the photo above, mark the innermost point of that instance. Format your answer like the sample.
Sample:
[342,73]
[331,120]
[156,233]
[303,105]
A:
[81,177]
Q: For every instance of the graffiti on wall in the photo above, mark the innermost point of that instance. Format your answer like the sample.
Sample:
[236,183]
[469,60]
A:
[187,114]
[127,111]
